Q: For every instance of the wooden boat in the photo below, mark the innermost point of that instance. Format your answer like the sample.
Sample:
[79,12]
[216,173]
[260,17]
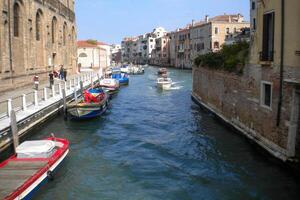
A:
[32,166]
[90,105]
[164,83]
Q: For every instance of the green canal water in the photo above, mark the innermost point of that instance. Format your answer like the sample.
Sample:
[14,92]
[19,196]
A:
[155,145]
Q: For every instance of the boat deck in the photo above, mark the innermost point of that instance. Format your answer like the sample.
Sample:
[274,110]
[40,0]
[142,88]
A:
[15,173]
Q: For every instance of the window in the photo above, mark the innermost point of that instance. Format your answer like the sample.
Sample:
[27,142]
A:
[16,19]
[266,94]
[65,33]
[38,25]
[216,45]
[53,29]
[83,55]
[216,30]
[254,24]
[268,37]
[227,30]
[253,5]
[234,30]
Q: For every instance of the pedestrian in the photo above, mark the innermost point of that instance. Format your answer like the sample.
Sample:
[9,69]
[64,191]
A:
[36,82]
[51,78]
[65,74]
[61,72]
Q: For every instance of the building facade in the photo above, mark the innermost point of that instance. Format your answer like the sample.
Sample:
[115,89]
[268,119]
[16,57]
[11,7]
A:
[263,102]
[210,34]
[160,55]
[36,37]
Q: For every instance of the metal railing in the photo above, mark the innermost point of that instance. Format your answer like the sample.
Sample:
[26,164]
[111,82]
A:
[27,100]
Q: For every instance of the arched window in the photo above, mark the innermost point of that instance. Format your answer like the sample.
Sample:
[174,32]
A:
[64,33]
[216,45]
[38,25]
[83,55]
[16,20]
[53,29]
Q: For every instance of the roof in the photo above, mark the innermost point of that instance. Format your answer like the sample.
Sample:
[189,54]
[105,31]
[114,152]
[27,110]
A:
[85,44]
[227,18]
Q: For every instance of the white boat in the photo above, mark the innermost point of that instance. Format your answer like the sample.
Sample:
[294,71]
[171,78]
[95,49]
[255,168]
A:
[109,83]
[164,83]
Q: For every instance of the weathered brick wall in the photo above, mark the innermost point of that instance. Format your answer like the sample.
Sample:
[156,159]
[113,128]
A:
[237,98]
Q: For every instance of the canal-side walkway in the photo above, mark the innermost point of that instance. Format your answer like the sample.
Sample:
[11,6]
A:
[35,106]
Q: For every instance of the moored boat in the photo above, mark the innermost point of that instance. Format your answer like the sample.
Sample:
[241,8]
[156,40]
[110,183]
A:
[110,85]
[93,104]
[33,165]
[164,83]
[123,78]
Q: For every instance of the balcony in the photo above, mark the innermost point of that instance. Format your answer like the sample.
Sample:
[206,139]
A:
[266,57]
[58,7]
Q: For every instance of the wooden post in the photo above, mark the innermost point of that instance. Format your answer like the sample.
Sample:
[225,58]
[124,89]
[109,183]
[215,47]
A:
[81,88]
[9,107]
[14,129]
[98,78]
[60,90]
[70,84]
[53,90]
[45,94]
[65,102]
[65,86]
[36,100]
[24,103]
[75,94]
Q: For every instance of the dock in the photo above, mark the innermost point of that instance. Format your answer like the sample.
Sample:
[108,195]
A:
[36,107]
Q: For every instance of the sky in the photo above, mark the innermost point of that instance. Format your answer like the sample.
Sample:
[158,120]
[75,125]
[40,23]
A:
[111,20]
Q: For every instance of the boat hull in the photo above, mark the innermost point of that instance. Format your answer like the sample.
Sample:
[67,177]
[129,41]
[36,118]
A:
[28,194]
[88,110]
[42,169]
[164,86]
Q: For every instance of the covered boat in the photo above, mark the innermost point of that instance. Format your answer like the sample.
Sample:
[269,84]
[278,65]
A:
[32,166]
[164,83]
[94,103]
[110,85]
[123,78]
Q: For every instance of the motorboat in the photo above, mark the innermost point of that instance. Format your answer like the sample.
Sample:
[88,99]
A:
[162,71]
[94,103]
[33,164]
[123,78]
[164,83]
[110,85]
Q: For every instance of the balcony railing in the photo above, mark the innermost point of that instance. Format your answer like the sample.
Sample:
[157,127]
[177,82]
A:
[58,7]
[266,55]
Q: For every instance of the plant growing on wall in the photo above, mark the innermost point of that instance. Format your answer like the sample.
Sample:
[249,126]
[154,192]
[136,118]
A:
[231,58]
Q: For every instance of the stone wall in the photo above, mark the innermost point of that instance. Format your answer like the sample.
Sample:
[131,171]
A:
[45,38]
[237,100]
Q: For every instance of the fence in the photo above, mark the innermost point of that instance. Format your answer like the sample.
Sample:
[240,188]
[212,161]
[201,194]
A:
[25,101]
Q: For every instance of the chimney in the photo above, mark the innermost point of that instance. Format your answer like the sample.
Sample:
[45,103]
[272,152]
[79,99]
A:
[193,23]
[206,18]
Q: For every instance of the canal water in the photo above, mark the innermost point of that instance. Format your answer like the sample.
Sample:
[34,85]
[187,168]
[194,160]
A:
[155,145]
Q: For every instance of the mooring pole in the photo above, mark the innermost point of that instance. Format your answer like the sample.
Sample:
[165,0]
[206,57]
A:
[14,129]
[81,88]
[65,102]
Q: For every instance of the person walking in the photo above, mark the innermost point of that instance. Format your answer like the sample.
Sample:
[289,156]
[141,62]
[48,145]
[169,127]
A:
[65,74]
[36,82]
[51,78]
[61,72]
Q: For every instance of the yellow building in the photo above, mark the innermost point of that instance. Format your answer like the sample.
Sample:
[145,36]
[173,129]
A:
[275,54]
